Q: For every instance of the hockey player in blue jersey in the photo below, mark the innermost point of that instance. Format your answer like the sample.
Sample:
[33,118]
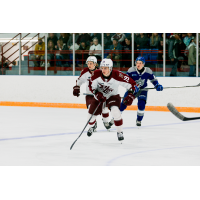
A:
[141,75]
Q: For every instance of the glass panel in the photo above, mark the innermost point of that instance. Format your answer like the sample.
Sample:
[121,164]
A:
[180,54]
[118,47]
[199,56]
[33,59]
[9,53]
[150,46]
[87,44]
[60,54]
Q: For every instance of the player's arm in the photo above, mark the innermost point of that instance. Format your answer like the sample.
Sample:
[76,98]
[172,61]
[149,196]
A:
[93,83]
[81,79]
[130,85]
[154,81]
[127,82]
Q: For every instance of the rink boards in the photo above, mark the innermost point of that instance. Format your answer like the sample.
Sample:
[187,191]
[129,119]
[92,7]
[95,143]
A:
[56,91]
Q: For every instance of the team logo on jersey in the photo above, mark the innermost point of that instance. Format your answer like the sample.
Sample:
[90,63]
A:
[105,89]
[140,82]
[121,75]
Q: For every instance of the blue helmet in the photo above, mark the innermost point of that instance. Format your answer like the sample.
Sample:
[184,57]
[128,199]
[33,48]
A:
[140,59]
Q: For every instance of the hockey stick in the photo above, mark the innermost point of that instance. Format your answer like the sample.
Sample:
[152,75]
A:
[173,87]
[85,126]
[178,114]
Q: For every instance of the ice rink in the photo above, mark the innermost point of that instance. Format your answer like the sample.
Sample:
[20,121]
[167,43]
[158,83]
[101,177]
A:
[31,136]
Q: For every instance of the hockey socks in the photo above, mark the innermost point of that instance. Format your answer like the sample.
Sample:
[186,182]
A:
[141,109]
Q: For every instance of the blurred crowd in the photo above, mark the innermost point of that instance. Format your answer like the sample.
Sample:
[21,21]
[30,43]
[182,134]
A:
[180,48]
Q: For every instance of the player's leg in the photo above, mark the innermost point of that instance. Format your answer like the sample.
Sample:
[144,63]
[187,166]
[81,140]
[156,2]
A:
[113,104]
[92,104]
[105,118]
[122,106]
[116,114]
[141,107]
[92,125]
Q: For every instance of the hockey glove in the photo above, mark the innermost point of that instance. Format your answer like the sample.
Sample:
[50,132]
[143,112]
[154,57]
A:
[99,96]
[129,99]
[76,90]
[136,88]
[159,87]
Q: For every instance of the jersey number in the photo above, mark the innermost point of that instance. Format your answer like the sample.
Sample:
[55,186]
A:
[126,78]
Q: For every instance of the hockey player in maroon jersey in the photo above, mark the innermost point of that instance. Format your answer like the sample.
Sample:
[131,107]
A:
[104,85]
[85,77]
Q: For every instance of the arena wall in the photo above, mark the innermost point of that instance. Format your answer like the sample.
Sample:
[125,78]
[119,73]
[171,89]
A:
[56,91]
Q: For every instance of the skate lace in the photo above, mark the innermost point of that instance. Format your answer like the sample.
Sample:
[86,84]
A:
[112,121]
[91,130]
[120,134]
[106,124]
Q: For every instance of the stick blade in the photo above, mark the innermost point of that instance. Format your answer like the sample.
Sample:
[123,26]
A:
[171,108]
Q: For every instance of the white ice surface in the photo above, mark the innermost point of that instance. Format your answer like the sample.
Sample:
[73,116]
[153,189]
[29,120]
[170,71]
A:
[43,136]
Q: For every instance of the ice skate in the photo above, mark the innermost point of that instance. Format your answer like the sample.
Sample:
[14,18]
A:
[111,122]
[108,124]
[92,129]
[138,123]
[120,136]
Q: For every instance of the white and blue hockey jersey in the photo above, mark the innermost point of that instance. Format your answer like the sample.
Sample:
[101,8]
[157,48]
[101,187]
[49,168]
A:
[142,78]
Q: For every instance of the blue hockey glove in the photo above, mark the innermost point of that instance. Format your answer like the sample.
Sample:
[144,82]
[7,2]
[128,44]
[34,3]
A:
[136,89]
[159,87]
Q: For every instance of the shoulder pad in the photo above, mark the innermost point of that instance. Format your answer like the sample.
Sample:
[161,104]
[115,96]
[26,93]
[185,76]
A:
[131,69]
[148,70]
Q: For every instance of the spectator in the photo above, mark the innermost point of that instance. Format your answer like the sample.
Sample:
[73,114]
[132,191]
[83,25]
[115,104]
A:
[5,63]
[84,36]
[148,35]
[160,52]
[64,37]
[136,36]
[39,53]
[82,55]
[53,38]
[50,56]
[142,41]
[175,45]
[120,37]
[95,35]
[187,39]
[127,55]
[61,55]
[116,55]
[70,41]
[107,40]
[95,49]
[192,56]
[154,41]
[183,35]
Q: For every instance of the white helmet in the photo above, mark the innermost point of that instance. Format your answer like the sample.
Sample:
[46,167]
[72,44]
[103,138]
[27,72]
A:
[107,62]
[91,59]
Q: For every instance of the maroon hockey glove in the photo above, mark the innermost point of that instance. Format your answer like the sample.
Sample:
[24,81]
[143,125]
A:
[76,90]
[100,97]
[129,99]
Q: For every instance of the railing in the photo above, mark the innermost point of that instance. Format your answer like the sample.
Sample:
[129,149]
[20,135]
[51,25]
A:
[2,54]
[151,56]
